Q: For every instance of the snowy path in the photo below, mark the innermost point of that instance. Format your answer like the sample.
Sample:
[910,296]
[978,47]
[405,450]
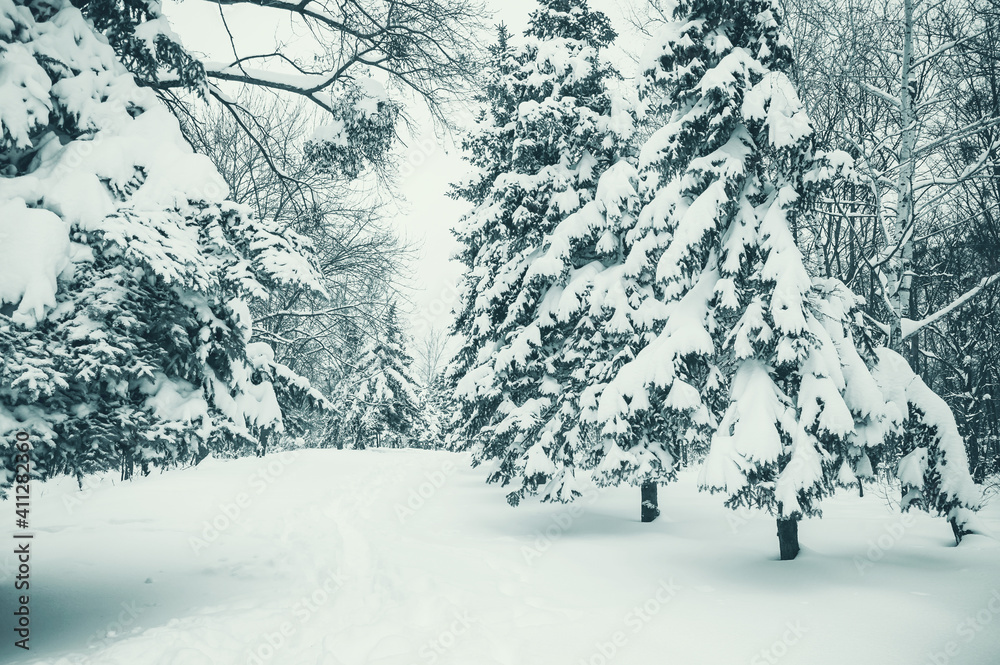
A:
[406,557]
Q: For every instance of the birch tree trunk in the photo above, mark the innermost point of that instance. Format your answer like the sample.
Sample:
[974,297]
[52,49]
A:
[902,273]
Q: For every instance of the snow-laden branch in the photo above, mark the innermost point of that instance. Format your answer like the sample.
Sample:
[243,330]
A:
[330,311]
[947,46]
[303,84]
[881,94]
[958,134]
[909,326]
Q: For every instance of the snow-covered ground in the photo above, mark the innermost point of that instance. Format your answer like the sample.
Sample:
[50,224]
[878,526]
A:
[328,557]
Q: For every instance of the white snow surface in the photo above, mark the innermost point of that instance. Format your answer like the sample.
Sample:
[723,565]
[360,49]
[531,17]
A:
[34,250]
[395,557]
[775,100]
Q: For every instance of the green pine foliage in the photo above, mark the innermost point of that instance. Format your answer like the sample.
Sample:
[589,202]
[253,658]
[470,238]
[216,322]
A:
[745,353]
[125,333]
[379,401]
[548,129]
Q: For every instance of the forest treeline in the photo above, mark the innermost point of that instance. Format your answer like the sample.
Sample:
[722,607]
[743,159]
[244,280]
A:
[768,250]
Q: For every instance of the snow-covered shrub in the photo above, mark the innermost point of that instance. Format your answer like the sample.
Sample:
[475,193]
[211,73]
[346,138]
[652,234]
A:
[360,131]
[124,272]
[934,469]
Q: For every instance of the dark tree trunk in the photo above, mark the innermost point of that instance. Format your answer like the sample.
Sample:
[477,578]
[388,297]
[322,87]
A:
[650,506]
[972,445]
[788,537]
[861,488]
[128,464]
[958,531]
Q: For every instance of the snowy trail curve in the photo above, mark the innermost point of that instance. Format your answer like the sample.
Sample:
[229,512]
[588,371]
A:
[399,557]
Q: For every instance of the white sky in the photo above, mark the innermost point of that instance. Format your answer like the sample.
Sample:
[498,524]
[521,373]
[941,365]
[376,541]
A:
[429,163]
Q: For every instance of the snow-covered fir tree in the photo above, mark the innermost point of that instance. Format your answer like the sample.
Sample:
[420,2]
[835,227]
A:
[933,470]
[435,424]
[748,351]
[430,433]
[610,307]
[622,315]
[549,128]
[380,399]
[125,335]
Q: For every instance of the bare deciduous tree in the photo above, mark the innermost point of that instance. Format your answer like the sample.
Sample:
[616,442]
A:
[361,261]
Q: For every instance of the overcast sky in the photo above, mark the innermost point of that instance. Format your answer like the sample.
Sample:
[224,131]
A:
[429,163]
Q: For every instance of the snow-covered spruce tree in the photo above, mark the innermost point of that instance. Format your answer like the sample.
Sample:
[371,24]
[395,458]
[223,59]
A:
[124,272]
[430,431]
[549,128]
[380,399]
[603,289]
[751,351]
[434,426]
[934,468]
[635,441]
[488,149]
